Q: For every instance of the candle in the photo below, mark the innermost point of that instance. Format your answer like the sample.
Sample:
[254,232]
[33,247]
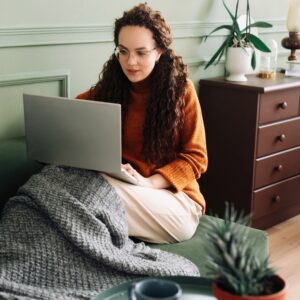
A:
[293,19]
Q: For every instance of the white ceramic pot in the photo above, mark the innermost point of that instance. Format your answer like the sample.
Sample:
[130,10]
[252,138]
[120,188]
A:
[238,63]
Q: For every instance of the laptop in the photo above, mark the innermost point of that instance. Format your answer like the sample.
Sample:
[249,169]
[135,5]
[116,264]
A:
[75,133]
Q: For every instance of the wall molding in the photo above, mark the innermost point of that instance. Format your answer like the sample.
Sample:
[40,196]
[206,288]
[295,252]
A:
[54,35]
[38,77]
[201,62]
[103,33]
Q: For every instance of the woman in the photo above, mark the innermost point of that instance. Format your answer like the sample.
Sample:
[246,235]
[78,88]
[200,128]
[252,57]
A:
[65,235]
[163,134]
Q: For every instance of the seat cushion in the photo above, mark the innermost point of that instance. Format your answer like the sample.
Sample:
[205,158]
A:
[15,167]
[194,249]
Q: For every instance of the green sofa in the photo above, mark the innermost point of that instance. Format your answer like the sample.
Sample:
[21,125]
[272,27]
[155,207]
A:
[15,169]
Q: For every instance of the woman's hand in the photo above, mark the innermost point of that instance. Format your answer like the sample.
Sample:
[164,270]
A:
[155,181]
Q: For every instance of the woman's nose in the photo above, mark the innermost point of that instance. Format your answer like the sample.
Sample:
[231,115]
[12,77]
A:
[131,59]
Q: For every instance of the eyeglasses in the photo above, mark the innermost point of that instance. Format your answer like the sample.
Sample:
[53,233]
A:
[122,53]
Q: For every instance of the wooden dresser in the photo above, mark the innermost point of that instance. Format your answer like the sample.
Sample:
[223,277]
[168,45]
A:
[253,142]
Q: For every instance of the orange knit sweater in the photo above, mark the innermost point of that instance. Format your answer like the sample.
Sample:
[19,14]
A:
[191,161]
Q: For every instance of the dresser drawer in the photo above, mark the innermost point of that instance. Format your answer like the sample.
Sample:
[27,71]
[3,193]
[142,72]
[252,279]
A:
[278,136]
[279,105]
[276,197]
[277,167]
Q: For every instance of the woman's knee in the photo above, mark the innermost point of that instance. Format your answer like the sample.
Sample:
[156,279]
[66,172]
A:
[186,232]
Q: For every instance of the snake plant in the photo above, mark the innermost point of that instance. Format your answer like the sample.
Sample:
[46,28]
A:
[233,260]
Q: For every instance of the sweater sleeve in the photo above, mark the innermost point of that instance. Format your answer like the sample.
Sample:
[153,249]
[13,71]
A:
[87,95]
[191,161]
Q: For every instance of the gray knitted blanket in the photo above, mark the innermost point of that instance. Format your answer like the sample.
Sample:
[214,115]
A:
[64,236]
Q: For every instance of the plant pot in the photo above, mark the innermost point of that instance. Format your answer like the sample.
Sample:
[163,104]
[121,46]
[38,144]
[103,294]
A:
[280,295]
[238,63]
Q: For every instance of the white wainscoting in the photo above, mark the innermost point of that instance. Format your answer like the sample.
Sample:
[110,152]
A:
[83,49]
[12,87]
[59,35]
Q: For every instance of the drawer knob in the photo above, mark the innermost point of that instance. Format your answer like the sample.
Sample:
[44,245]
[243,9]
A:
[281,137]
[276,199]
[283,105]
[279,168]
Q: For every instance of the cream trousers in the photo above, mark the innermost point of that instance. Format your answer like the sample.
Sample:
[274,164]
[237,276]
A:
[157,215]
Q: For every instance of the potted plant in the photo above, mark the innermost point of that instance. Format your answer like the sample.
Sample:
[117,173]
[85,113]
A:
[233,263]
[239,44]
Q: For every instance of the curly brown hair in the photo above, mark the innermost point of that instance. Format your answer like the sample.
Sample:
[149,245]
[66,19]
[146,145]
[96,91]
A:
[165,110]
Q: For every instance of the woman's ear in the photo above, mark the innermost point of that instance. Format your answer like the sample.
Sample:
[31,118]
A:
[159,52]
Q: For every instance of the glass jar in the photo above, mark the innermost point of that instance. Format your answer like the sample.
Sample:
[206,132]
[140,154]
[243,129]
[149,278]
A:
[268,60]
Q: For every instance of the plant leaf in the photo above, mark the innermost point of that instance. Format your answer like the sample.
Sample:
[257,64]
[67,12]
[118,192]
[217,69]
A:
[258,43]
[235,28]
[248,17]
[253,60]
[220,50]
[229,12]
[216,62]
[228,27]
[258,24]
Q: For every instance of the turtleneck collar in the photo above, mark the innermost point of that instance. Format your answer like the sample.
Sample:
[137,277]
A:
[141,86]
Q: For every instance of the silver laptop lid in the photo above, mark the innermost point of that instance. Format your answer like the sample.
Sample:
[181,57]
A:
[77,133]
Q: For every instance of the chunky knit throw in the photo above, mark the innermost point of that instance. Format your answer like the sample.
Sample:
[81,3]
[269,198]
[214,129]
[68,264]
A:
[64,236]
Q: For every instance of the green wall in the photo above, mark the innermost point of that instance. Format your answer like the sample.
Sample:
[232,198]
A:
[62,44]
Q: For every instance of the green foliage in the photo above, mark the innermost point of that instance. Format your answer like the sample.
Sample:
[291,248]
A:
[238,37]
[232,257]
